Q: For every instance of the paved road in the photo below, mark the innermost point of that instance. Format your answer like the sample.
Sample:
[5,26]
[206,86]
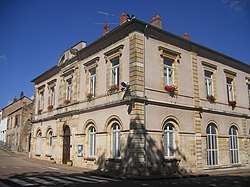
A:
[16,171]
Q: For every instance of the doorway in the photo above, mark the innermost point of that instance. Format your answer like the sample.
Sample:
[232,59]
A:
[66,144]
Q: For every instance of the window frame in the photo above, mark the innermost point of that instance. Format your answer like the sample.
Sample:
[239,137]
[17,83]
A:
[212,145]
[230,89]
[168,79]
[209,83]
[39,143]
[92,81]
[69,88]
[115,71]
[92,141]
[115,140]
[233,145]
[50,142]
[168,153]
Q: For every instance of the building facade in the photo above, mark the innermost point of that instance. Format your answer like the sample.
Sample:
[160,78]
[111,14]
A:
[3,129]
[181,107]
[18,116]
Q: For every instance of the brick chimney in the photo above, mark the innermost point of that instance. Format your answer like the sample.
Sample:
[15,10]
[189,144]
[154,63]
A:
[156,21]
[21,95]
[123,18]
[105,29]
[186,36]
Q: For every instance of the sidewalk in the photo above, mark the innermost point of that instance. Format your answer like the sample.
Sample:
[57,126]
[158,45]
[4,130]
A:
[205,173]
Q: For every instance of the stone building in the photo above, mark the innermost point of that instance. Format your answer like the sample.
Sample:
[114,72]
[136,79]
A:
[18,115]
[181,107]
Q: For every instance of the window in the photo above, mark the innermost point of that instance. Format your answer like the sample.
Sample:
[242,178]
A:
[230,94]
[115,140]
[249,93]
[17,120]
[41,101]
[92,81]
[51,96]
[212,152]
[69,89]
[115,71]
[234,150]
[92,141]
[39,143]
[168,72]
[169,140]
[50,138]
[209,82]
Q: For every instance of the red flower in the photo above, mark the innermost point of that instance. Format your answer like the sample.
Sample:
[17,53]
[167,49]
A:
[211,98]
[232,103]
[66,101]
[50,107]
[113,88]
[171,88]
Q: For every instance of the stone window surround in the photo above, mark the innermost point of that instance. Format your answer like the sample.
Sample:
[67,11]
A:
[40,91]
[87,67]
[51,85]
[232,75]
[211,68]
[108,56]
[176,57]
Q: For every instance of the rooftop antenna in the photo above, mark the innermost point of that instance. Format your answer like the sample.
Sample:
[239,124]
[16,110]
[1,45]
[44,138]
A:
[106,23]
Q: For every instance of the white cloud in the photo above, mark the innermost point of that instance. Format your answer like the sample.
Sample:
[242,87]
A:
[237,6]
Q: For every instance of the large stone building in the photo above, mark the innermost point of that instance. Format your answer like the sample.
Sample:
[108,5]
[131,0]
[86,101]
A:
[185,107]
[18,115]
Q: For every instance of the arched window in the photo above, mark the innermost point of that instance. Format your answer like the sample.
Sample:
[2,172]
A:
[234,150]
[115,140]
[212,151]
[39,143]
[49,140]
[169,140]
[92,141]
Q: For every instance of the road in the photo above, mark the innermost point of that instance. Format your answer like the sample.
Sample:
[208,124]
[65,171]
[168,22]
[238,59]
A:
[16,171]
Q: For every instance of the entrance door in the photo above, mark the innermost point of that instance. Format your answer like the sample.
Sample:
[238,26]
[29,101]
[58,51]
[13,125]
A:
[66,144]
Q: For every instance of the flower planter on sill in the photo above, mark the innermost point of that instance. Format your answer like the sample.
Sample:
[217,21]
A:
[171,90]
[232,104]
[89,96]
[113,88]
[50,107]
[66,101]
[211,98]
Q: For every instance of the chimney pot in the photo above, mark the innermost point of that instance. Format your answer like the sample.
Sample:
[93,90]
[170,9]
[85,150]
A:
[14,100]
[21,95]
[186,36]
[156,21]
[105,29]
[123,18]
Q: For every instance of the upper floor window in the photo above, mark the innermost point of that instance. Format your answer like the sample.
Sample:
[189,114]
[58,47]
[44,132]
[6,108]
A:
[249,93]
[209,82]
[230,92]
[212,151]
[92,81]
[51,96]
[41,101]
[168,71]
[17,120]
[169,140]
[115,71]
[69,87]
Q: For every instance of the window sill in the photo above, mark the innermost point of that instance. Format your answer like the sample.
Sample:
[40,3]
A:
[37,154]
[47,155]
[90,158]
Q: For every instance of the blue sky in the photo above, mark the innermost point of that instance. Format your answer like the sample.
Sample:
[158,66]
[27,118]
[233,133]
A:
[34,33]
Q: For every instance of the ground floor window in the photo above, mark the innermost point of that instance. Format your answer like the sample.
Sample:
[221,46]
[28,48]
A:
[212,151]
[115,140]
[38,143]
[234,150]
[169,140]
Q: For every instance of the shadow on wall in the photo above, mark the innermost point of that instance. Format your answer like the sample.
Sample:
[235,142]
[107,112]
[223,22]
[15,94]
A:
[138,159]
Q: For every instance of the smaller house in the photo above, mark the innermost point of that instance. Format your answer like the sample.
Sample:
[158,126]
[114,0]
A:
[18,116]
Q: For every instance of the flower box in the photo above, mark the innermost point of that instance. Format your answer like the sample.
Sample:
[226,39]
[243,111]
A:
[89,96]
[66,101]
[113,88]
[171,88]
[211,98]
[232,104]
[50,107]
